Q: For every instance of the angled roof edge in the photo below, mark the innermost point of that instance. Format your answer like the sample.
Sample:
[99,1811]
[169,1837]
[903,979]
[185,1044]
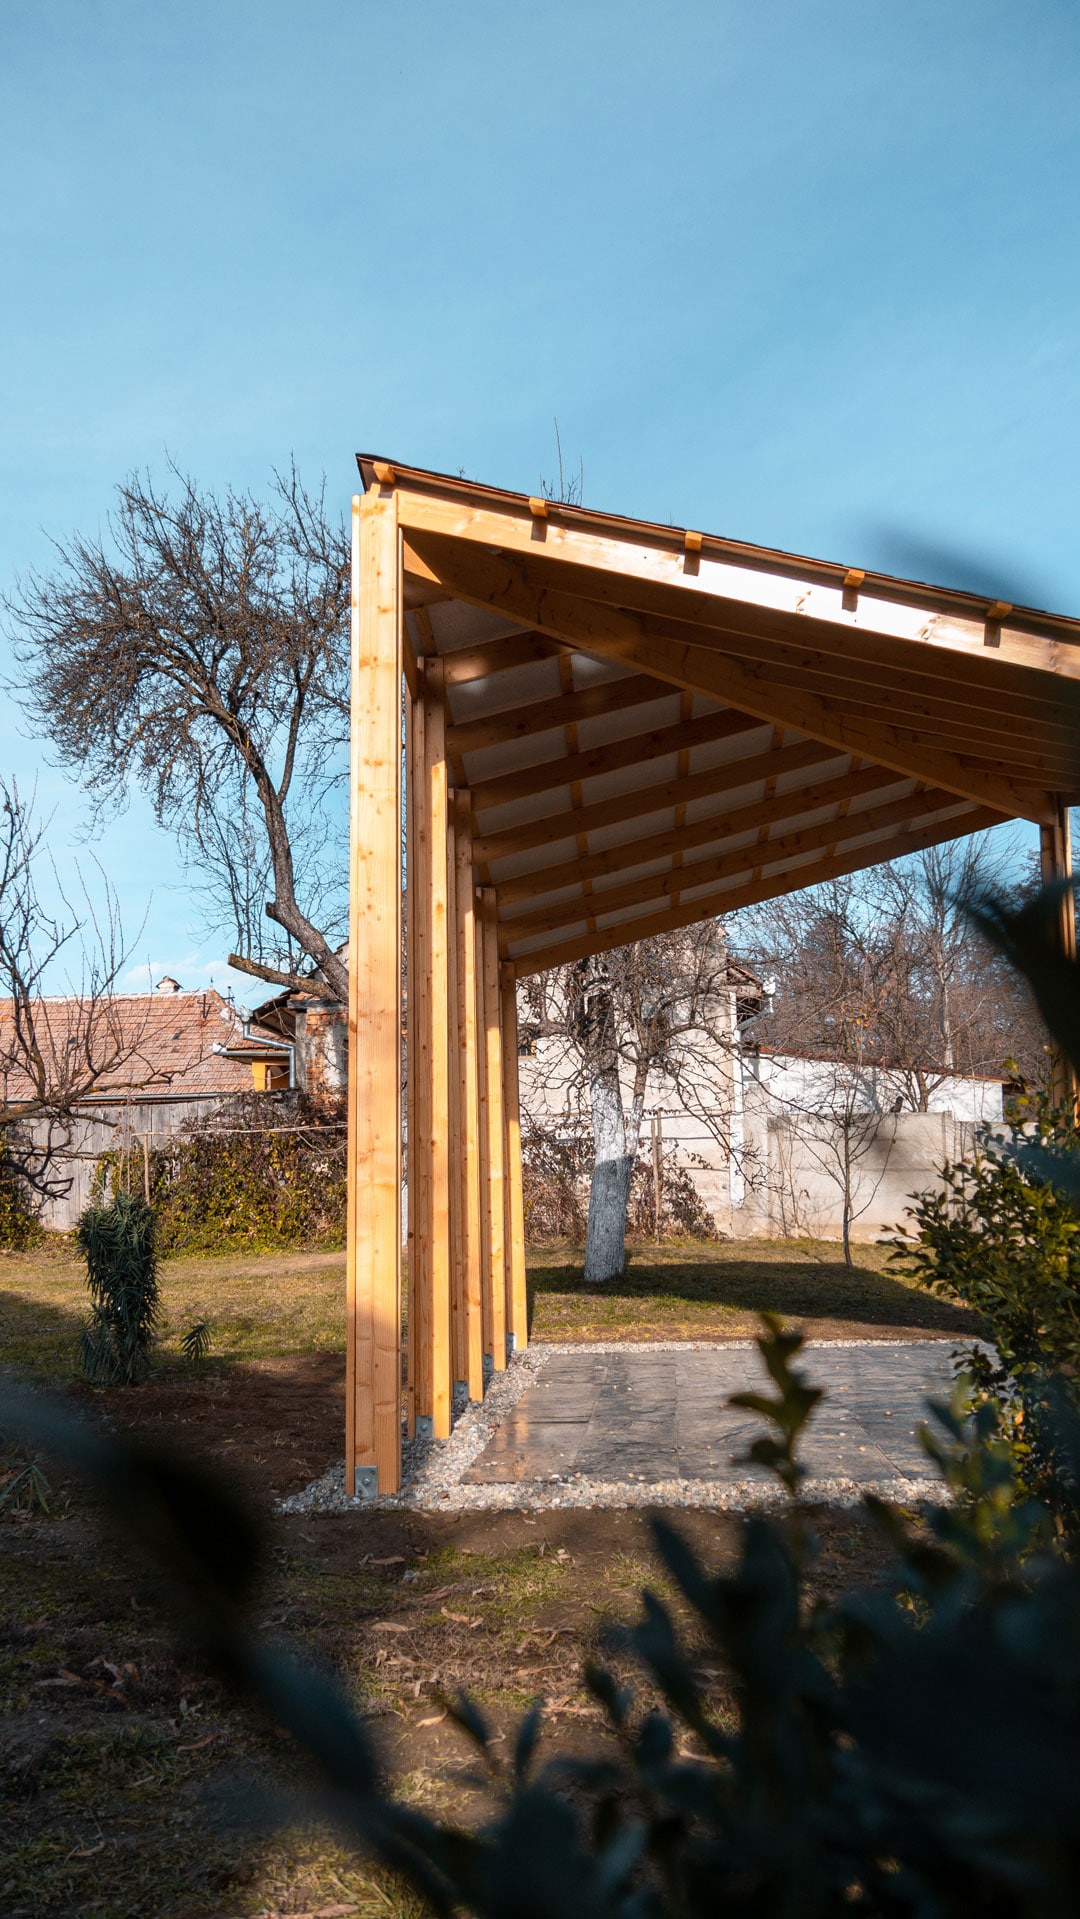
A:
[768,559]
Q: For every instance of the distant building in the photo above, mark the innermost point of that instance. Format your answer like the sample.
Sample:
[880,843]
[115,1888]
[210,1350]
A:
[182,1055]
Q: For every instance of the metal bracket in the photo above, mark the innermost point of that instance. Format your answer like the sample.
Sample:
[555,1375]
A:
[425,1426]
[365,1482]
[488,1367]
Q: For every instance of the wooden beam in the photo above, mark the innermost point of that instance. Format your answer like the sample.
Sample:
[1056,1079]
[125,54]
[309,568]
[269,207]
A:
[1055,855]
[659,797]
[454,1124]
[907,811]
[517,1316]
[414,762]
[644,641]
[523,721]
[631,572]
[730,899]
[492,1197]
[479,662]
[373,1256]
[436,991]
[468,1096]
[638,750]
[717,827]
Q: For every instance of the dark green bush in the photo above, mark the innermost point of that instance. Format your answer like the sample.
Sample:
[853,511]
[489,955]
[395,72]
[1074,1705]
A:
[1004,1236]
[256,1178]
[119,1244]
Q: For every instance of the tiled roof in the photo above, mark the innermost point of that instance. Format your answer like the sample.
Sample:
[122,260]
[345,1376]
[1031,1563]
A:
[166,1041]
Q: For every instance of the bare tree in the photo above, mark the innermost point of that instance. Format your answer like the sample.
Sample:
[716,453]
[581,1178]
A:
[660,1008]
[201,649]
[54,1051]
[884,968]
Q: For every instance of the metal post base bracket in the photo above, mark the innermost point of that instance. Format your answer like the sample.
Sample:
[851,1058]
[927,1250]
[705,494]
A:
[365,1482]
[425,1426]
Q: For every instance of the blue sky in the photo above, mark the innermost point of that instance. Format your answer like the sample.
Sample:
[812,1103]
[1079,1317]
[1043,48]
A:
[804,272]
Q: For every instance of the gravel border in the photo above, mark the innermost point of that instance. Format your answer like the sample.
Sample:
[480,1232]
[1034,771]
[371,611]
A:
[432,1470]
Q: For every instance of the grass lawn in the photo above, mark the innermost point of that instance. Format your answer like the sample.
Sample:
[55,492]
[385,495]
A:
[276,1305]
[117,1750]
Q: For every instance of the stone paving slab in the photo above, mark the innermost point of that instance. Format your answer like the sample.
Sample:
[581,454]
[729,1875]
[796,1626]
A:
[643,1416]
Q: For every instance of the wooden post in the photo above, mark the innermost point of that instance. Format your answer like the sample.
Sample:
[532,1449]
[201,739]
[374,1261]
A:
[373,1260]
[1055,852]
[459,1308]
[492,1197]
[414,722]
[433,1080]
[517,1313]
[468,1194]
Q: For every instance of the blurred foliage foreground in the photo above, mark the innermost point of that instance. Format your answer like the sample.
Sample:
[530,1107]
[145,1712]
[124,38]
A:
[912,1750]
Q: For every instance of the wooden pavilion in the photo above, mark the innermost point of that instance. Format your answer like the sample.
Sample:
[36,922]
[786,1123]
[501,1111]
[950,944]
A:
[591,729]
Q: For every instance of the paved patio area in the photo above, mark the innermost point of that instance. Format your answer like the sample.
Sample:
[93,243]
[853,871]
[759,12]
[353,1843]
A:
[640,1416]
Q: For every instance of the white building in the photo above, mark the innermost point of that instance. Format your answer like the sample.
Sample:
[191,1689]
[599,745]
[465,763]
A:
[773,1141]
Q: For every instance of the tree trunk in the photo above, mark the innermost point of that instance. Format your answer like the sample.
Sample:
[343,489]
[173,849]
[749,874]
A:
[609,1193]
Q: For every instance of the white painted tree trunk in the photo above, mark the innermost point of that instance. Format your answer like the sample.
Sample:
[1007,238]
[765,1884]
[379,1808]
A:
[605,1241]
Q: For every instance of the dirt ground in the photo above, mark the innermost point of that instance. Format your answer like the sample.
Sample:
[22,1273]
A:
[123,1765]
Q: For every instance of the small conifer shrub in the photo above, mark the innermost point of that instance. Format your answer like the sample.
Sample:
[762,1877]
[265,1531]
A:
[119,1243]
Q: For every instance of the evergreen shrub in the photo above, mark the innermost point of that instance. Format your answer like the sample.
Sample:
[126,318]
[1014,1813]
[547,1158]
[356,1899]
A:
[1003,1236]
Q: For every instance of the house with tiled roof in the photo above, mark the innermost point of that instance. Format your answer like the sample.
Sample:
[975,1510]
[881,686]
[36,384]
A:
[181,1056]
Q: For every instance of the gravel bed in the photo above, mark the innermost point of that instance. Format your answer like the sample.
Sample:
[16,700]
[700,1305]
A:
[432,1470]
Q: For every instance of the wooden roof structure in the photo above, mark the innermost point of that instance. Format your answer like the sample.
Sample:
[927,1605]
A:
[617,728]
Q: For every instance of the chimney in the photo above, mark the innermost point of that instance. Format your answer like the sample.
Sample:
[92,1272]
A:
[168,985]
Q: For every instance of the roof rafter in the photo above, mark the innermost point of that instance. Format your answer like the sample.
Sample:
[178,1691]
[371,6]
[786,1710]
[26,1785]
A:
[638,639]
[728,864]
[731,899]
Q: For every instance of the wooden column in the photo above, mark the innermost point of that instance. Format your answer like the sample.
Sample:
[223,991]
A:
[373,1260]
[1055,852]
[492,1195]
[517,1319]
[414,759]
[432,1088]
[468,1156]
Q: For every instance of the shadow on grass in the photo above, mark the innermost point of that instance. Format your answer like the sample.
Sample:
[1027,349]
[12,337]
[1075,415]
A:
[38,1341]
[740,1288]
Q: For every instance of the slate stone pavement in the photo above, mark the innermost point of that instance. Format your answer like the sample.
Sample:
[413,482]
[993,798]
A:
[640,1415]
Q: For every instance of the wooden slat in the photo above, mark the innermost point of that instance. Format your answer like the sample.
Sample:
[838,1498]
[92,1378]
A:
[732,898]
[469,1156]
[641,640]
[498,656]
[492,1196]
[657,797]
[726,865]
[639,749]
[373,1257]
[522,722]
[517,1317]
[718,826]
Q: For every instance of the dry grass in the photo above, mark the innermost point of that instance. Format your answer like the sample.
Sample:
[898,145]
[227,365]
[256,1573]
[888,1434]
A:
[279,1304]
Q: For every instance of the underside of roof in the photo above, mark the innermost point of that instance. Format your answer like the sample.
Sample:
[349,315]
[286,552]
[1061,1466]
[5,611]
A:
[656,726]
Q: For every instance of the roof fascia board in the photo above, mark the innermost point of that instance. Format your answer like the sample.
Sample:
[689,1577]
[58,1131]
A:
[428,483]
